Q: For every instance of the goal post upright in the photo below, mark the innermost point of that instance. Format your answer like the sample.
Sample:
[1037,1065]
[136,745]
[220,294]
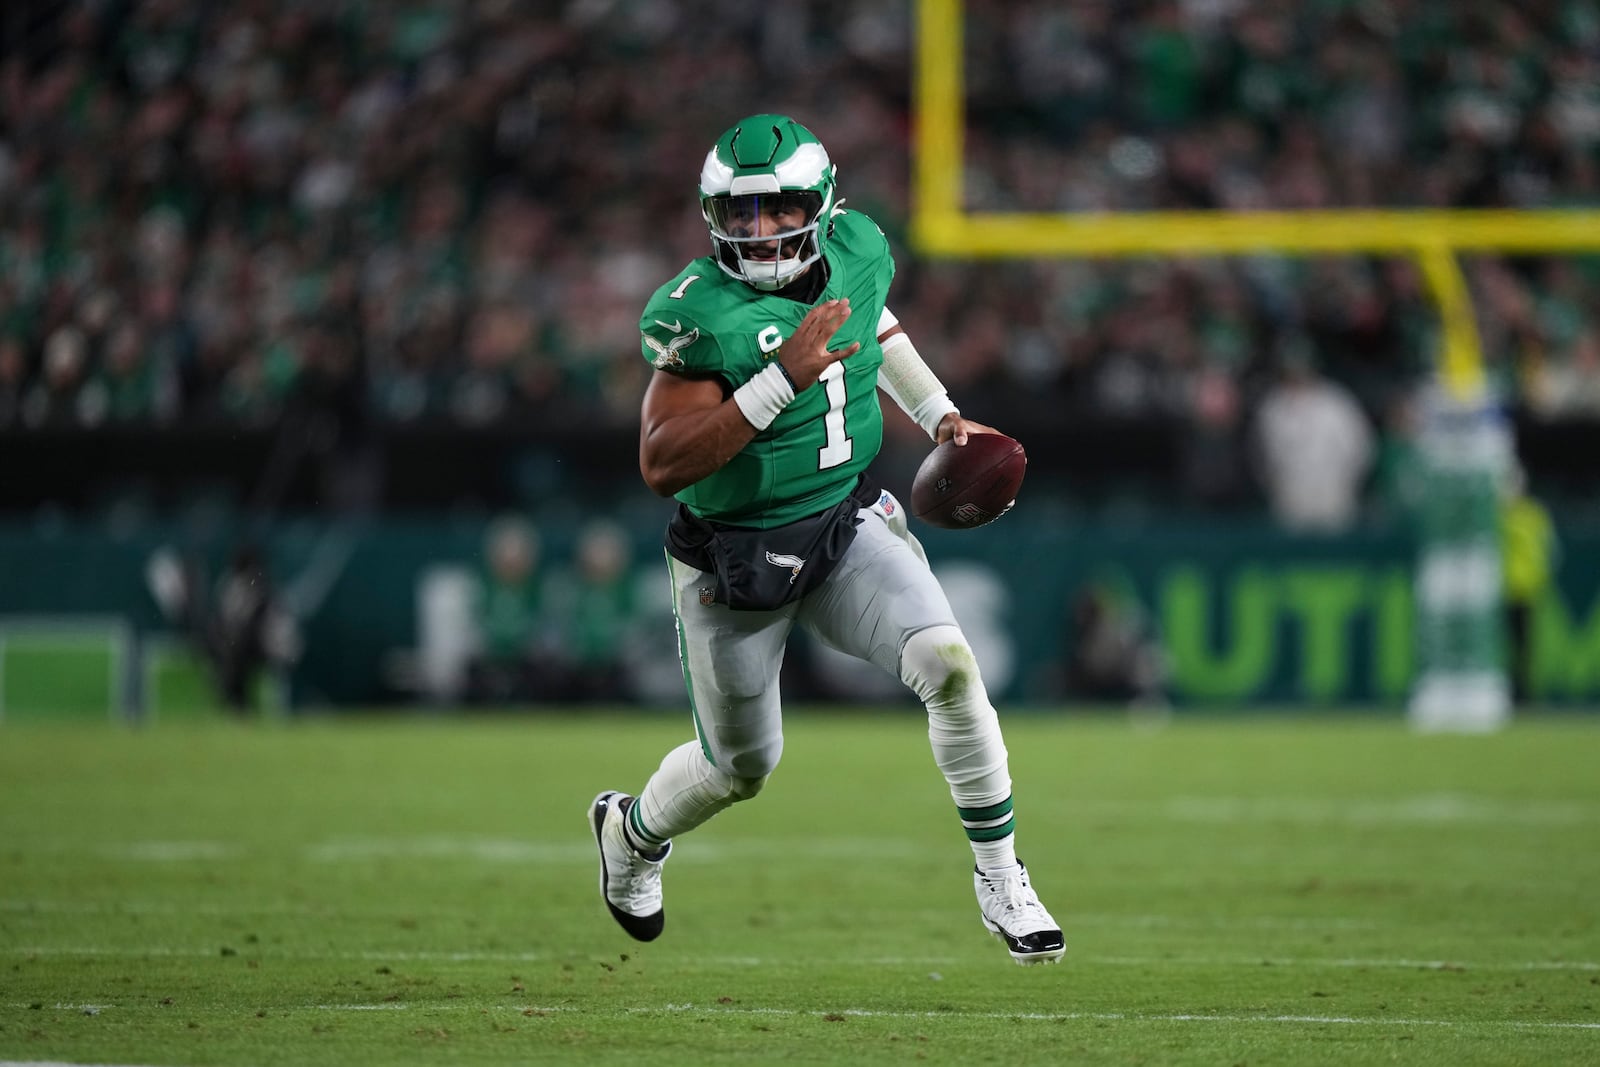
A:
[938,114]
[1461,608]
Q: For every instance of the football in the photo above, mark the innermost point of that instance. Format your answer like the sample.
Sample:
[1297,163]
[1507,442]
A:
[960,487]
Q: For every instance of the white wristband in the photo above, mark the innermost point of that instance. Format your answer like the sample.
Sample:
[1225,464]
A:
[931,412]
[913,385]
[763,397]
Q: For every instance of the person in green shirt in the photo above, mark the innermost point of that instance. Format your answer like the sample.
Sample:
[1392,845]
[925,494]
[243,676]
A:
[761,418]
[515,659]
[595,604]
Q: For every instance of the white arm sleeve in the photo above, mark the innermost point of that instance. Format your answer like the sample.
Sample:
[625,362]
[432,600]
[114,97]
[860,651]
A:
[911,382]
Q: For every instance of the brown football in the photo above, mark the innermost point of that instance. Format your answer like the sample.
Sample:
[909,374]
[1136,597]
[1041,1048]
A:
[959,487]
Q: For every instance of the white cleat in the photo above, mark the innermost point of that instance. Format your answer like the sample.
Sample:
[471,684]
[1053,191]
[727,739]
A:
[1012,912]
[630,884]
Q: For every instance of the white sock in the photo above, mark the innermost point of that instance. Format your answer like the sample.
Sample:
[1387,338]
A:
[685,792]
[964,731]
[993,856]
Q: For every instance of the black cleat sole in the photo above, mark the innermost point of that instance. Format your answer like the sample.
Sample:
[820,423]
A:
[1043,946]
[638,927]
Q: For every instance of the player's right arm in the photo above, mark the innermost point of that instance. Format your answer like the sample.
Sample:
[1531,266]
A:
[688,428]
[691,427]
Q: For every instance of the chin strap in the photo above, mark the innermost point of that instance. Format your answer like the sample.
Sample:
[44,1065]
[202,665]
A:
[778,280]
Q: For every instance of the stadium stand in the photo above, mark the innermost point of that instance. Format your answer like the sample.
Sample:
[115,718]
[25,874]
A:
[446,214]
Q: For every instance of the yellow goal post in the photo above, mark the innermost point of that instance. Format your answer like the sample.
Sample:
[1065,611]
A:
[941,227]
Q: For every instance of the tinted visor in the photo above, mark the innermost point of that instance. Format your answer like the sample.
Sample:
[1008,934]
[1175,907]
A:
[763,216]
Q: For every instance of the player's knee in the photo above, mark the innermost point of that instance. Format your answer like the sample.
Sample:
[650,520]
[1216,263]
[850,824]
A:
[938,665]
[745,771]
[735,787]
[754,764]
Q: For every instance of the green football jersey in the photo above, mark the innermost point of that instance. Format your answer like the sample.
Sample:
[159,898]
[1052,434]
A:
[705,324]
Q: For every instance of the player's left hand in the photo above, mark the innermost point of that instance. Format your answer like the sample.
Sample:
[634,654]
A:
[954,427]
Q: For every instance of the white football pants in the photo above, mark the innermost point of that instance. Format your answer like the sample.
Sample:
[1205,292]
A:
[881,604]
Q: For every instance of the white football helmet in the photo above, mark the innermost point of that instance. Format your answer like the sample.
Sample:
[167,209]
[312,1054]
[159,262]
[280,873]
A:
[767,165]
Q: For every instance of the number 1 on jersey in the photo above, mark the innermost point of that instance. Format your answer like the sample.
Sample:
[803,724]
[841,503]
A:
[839,447]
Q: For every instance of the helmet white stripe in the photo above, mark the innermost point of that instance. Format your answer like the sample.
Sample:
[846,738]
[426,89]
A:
[803,169]
[716,176]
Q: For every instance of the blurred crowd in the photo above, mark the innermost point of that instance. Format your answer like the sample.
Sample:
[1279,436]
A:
[435,210]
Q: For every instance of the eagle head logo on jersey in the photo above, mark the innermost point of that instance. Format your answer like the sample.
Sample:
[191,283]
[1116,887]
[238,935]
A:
[667,357]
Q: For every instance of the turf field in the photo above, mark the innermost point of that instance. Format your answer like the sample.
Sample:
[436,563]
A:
[398,891]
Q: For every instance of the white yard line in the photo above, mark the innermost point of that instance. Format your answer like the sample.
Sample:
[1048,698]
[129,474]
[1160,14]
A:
[1410,810]
[130,906]
[1425,809]
[1354,962]
[932,1016]
[1117,1016]
[172,851]
[403,956]
[458,847]
[511,850]
[362,1007]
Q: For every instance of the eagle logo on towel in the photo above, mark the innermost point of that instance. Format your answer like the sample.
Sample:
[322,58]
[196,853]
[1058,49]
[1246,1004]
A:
[794,563]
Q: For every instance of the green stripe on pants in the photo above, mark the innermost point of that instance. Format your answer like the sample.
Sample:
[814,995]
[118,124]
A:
[683,660]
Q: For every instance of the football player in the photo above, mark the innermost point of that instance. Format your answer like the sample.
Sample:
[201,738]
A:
[761,418]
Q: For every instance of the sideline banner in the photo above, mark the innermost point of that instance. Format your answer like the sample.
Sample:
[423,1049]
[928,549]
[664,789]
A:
[1244,614]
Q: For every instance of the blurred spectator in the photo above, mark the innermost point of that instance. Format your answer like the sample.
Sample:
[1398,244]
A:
[1215,458]
[241,627]
[1112,656]
[595,602]
[131,385]
[1529,553]
[201,205]
[56,399]
[13,378]
[249,628]
[1399,472]
[516,659]
[1315,447]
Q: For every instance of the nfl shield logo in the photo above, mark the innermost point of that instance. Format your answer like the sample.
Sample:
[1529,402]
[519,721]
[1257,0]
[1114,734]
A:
[708,596]
[886,502]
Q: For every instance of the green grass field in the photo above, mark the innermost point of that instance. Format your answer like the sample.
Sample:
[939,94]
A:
[399,891]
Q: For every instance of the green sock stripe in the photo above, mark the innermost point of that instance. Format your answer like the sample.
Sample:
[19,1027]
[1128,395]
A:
[993,811]
[683,661]
[993,833]
[636,823]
